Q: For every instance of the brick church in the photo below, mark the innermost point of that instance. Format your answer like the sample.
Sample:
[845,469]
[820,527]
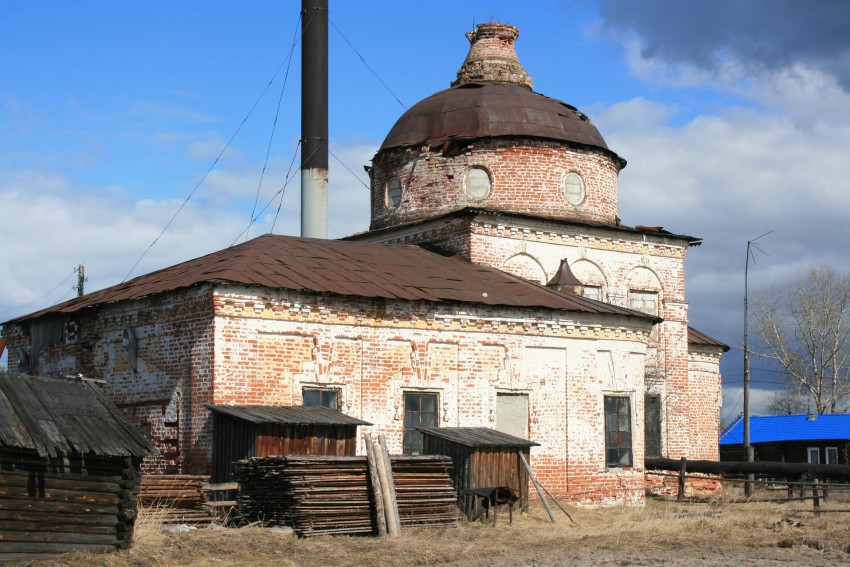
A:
[495,287]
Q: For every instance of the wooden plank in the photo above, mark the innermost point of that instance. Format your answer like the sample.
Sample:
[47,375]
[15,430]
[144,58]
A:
[54,481]
[22,492]
[85,481]
[58,507]
[78,519]
[25,525]
[53,548]
[7,537]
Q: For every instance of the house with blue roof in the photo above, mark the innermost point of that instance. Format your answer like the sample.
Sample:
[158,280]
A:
[817,439]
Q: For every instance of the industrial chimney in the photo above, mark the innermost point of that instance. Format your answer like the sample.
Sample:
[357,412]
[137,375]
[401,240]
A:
[314,118]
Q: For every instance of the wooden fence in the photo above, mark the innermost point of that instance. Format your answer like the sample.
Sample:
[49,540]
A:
[819,480]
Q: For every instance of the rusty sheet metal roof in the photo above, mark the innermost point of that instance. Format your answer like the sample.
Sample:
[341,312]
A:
[56,417]
[287,415]
[698,338]
[389,271]
[490,109]
[477,437]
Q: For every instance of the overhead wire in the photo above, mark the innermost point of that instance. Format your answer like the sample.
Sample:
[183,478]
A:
[203,178]
[389,90]
[295,38]
[280,192]
[348,169]
[34,301]
[733,407]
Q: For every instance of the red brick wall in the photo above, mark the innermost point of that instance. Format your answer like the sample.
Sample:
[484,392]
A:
[526,178]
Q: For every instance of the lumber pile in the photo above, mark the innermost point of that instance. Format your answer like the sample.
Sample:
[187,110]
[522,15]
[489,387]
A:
[424,490]
[330,495]
[175,498]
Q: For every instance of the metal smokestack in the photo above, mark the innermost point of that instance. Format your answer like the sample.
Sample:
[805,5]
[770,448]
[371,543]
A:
[314,118]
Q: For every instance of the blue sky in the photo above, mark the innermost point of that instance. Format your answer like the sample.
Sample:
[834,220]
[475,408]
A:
[734,118]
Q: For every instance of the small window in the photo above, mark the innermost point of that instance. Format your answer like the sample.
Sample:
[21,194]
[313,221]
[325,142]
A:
[321,397]
[644,301]
[573,187]
[832,455]
[813,455]
[420,410]
[652,425]
[477,182]
[593,292]
[618,432]
[393,198]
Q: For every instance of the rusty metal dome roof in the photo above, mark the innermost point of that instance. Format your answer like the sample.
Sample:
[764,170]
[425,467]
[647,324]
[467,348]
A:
[493,97]
[488,109]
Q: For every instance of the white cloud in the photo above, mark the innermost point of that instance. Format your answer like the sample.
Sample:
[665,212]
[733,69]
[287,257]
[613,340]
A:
[57,225]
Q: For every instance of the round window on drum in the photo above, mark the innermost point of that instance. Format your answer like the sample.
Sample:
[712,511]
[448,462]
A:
[573,186]
[477,182]
[393,196]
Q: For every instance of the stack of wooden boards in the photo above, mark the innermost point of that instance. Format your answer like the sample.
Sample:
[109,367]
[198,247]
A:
[319,495]
[175,498]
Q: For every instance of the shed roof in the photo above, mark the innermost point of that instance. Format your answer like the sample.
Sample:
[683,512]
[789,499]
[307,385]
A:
[55,417]
[477,437]
[699,338]
[349,268]
[291,415]
[775,428]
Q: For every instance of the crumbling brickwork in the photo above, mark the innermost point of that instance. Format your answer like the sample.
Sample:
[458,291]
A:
[527,177]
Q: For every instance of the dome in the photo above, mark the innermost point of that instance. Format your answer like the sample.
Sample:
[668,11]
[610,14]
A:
[485,110]
[492,97]
[490,142]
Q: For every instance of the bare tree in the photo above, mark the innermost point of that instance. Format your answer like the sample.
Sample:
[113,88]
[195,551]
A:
[805,325]
[786,401]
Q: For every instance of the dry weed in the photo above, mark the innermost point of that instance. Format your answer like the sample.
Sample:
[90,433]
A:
[658,529]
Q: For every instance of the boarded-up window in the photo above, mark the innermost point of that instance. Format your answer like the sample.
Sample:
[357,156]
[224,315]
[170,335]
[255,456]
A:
[321,397]
[618,432]
[593,292]
[652,425]
[512,414]
[644,301]
[420,410]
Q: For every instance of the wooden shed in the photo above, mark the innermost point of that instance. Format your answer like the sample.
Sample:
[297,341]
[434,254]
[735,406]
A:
[482,458]
[240,432]
[69,469]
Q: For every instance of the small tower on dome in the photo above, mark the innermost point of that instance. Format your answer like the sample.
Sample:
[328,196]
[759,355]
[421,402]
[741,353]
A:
[490,142]
[492,57]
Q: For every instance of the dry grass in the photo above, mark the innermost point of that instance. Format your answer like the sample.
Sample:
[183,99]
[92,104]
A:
[659,527]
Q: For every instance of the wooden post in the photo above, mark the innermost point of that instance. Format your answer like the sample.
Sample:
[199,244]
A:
[375,482]
[537,486]
[381,466]
[815,498]
[555,500]
[393,519]
[683,468]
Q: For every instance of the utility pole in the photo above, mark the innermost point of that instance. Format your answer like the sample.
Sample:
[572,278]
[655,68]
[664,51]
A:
[81,280]
[748,486]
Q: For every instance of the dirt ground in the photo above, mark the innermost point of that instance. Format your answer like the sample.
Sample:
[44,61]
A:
[662,533]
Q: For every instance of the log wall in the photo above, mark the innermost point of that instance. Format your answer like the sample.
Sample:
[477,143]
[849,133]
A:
[45,512]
